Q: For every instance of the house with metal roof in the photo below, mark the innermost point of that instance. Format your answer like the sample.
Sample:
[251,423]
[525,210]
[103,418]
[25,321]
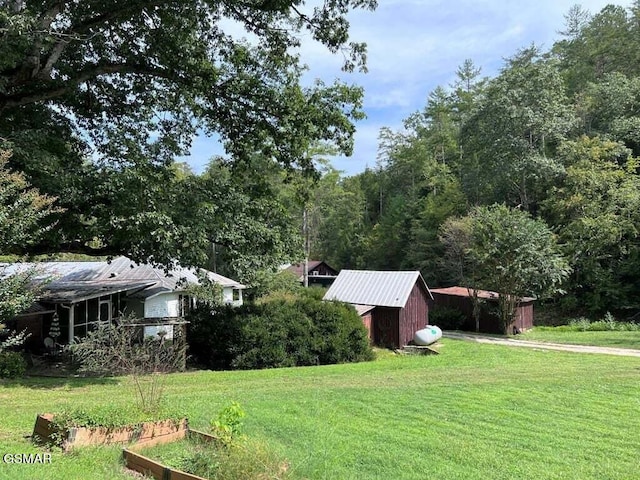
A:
[393,305]
[319,272]
[77,296]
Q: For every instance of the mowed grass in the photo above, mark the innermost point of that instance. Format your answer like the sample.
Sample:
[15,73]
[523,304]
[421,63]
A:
[473,412]
[599,338]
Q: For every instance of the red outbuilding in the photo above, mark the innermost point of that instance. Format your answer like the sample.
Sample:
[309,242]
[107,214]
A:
[460,298]
[393,305]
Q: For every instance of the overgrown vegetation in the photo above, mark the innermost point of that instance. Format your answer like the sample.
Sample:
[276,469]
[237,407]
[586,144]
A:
[112,416]
[12,365]
[607,324]
[606,331]
[246,459]
[119,349]
[227,455]
[281,331]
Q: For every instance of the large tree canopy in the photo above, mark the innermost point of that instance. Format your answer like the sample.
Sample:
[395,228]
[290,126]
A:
[137,73]
[98,98]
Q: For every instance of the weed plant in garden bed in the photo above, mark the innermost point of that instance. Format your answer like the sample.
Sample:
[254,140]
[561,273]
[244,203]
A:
[243,458]
[109,424]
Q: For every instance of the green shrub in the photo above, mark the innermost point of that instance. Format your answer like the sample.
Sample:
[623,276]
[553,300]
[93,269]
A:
[447,318]
[280,335]
[214,335]
[278,332]
[12,365]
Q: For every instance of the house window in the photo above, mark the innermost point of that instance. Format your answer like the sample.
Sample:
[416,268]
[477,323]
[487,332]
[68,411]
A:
[104,310]
[184,305]
[236,295]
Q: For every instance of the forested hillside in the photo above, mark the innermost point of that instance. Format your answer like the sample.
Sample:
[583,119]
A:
[91,125]
[555,134]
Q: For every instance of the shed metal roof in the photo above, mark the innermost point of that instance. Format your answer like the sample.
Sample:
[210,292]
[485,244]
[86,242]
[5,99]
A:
[363,309]
[377,288]
[467,292]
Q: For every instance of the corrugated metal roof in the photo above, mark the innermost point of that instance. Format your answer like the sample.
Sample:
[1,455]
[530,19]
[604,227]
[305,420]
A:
[81,280]
[62,292]
[465,292]
[363,309]
[378,288]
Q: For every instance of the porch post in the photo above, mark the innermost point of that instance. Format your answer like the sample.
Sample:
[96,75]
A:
[71,322]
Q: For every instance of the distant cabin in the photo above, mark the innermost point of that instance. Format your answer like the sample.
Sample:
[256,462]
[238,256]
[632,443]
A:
[320,273]
[459,298]
[392,305]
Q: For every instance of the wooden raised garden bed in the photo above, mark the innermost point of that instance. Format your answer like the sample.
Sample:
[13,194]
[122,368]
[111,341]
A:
[45,431]
[147,466]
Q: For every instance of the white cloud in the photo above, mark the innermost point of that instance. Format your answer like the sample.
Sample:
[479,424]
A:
[416,45]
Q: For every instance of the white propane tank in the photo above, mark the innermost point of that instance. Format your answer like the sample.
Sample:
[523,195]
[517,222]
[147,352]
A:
[428,335]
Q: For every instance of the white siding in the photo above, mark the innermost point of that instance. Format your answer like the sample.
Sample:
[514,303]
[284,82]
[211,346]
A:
[153,330]
[227,296]
[163,305]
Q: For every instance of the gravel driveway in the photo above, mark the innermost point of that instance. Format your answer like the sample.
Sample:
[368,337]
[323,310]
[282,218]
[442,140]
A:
[511,342]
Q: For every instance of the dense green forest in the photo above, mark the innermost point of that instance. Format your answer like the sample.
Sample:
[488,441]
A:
[555,134]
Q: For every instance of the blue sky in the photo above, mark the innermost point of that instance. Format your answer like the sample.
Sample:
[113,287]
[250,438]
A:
[416,45]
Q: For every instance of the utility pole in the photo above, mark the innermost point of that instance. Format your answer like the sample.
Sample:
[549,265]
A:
[305,234]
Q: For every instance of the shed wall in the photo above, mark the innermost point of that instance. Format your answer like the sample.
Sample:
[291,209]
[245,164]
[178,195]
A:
[523,319]
[366,320]
[414,316]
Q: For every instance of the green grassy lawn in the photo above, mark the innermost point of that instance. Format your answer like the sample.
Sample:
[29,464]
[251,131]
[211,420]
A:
[603,339]
[473,412]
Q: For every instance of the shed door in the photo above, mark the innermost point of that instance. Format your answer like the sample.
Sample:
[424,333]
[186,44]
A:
[385,327]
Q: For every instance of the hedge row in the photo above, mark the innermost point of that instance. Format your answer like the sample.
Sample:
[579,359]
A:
[281,332]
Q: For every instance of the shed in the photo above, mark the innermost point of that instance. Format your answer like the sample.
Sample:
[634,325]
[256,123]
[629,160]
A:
[460,299]
[393,305]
